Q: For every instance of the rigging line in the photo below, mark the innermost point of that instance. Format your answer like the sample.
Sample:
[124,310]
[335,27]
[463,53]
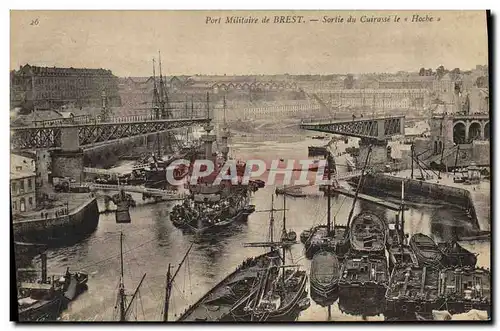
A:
[181,294]
[116,255]
[147,283]
[189,275]
[142,306]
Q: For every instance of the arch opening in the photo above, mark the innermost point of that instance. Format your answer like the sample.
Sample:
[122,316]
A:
[474,132]
[459,133]
[487,131]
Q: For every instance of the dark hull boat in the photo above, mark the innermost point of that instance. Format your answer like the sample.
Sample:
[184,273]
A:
[317,239]
[426,251]
[362,285]
[280,297]
[457,256]
[206,217]
[412,290]
[401,256]
[324,278]
[368,233]
[217,304]
[463,289]
[317,151]
[364,273]
[45,301]
[47,308]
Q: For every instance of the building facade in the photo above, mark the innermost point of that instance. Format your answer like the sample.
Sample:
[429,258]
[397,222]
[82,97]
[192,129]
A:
[22,184]
[377,99]
[35,87]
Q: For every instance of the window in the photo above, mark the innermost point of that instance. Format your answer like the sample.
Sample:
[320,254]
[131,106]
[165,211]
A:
[14,204]
[22,205]
[29,184]
[21,184]
[30,201]
[14,187]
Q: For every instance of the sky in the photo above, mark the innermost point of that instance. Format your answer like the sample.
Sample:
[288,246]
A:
[126,42]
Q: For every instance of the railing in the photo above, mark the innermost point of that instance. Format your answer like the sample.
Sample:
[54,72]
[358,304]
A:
[168,194]
[100,171]
[357,118]
[88,119]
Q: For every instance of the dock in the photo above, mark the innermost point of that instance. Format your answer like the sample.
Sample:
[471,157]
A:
[479,194]
[369,198]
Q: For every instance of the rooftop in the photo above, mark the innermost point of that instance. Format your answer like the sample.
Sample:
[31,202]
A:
[21,167]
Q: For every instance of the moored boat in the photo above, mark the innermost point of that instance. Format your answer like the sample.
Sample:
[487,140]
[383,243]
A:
[280,296]
[412,290]
[45,298]
[456,255]
[262,288]
[324,277]
[218,302]
[364,273]
[466,288]
[426,250]
[368,233]
[362,284]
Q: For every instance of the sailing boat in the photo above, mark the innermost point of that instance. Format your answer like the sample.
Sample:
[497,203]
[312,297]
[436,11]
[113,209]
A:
[325,270]
[325,237]
[287,237]
[280,293]
[400,254]
[122,304]
[227,300]
[156,170]
[170,281]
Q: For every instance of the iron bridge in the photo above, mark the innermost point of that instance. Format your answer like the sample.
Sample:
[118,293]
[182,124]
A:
[372,128]
[86,134]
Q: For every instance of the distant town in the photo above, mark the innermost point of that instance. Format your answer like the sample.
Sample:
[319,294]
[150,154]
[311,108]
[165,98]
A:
[255,97]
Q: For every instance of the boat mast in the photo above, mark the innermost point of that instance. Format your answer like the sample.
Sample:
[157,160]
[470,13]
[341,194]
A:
[284,212]
[271,221]
[402,222]
[170,280]
[456,160]
[358,187]
[162,88]
[329,193]
[283,236]
[156,108]
[122,286]
[412,155]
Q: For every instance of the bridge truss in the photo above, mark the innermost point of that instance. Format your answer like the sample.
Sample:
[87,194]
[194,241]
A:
[89,134]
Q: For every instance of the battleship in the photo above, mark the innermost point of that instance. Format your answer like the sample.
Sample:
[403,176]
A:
[214,204]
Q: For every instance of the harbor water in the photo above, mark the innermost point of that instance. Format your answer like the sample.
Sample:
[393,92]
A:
[151,242]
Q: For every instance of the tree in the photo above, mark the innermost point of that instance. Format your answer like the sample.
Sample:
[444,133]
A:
[421,72]
[456,71]
[481,82]
[440,71]
[349,82]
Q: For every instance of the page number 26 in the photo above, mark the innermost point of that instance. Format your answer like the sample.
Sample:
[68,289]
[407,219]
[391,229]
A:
[34,22]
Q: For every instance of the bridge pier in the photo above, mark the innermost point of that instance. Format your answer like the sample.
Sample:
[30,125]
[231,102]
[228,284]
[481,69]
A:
[68,163]
[378,158]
